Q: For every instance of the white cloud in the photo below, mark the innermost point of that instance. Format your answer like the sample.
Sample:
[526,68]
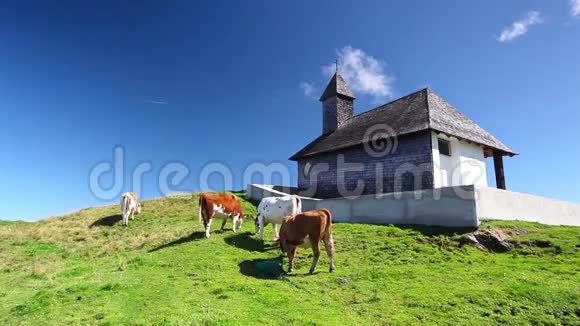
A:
[575,10]
[520,27]
[156,102]
[363,73]
[308,89]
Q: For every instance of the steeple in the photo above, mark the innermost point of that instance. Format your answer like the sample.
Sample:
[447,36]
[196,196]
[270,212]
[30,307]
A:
[337,86]
[337,104]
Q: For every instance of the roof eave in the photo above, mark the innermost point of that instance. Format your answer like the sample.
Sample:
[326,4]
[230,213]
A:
[507,151]
[299,154]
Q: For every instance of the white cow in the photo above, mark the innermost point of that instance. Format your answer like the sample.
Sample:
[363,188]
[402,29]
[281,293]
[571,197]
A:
[130,206]
[274,210]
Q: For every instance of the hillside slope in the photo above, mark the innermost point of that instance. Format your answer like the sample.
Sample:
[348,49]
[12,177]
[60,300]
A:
[84,268]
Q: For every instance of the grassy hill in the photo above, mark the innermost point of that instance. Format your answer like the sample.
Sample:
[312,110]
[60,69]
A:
[84,268]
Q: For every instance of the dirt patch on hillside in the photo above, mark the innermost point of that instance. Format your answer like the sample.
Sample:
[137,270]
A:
[489,240]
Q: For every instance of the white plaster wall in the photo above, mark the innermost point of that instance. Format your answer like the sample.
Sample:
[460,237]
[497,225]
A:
[439,177]
[497,204]
[472,162]
[451,207]
[465,166]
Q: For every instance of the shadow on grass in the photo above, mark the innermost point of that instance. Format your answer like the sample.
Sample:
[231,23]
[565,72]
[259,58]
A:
[266,269]
[271,269]
[107,221]
[248,242]
[192,237]
[431,231]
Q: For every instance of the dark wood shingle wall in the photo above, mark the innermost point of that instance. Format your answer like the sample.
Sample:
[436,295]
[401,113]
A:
[409,167]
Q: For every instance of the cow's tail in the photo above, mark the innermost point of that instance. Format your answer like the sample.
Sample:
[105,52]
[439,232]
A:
[125,202]
[200,207]
[298,205]
[124,207]
[328,217]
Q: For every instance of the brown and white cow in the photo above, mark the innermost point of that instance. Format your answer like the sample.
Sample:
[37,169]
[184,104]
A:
[130,206]
[307,230]
[222,206]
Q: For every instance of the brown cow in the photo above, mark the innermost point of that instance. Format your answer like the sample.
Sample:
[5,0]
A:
[219,205]
[307,230]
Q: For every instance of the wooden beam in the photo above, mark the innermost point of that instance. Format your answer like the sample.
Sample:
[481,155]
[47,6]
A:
[499,172]
[487,152]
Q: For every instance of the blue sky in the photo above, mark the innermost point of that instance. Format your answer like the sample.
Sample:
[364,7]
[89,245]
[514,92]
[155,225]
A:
[237,83]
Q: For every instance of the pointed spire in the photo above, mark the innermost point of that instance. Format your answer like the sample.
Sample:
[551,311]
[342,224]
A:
[337,86]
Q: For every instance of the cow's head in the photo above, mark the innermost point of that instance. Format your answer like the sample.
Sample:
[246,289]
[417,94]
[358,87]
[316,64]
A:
[139,208]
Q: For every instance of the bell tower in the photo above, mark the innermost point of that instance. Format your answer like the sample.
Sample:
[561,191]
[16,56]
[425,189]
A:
[337,104]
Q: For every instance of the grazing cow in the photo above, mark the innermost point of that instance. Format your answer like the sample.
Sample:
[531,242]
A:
[223,206]
[274,210]
[130,206]
[307,230]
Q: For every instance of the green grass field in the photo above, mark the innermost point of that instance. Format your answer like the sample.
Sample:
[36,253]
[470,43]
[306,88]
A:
[84,268]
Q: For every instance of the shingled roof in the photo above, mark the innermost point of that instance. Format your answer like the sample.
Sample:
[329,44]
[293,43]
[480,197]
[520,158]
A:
[422,110]
[337,86]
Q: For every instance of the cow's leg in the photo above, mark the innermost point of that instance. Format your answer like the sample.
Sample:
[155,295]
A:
[262,224]
[275,228]
[207,227]
[234,222]
[329,246]
[224,220]
[315,252]
[126,217]
[133,213]
[290,251]
[123,210]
